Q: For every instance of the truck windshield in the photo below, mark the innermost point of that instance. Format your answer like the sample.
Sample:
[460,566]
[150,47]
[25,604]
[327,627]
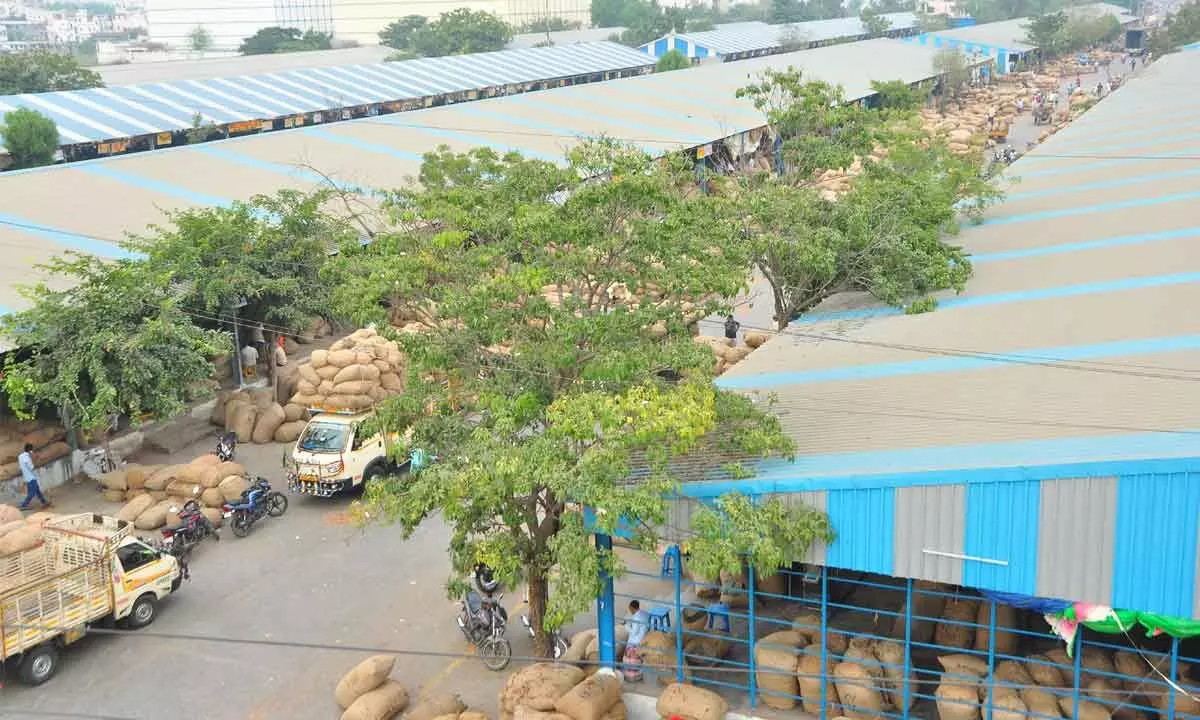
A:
[324,438]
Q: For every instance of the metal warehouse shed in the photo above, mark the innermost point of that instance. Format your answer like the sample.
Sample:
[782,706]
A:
[737,41]
[663,113]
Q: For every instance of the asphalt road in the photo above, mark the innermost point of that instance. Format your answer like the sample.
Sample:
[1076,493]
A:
[306,577]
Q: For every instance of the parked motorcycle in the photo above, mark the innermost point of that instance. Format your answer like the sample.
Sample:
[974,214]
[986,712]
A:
[1005,155]
[226,446]
[257,502]
[558,641]
[192,529]
[483,621]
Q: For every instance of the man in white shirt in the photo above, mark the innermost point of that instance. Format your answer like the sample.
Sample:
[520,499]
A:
[29,475]
[249,361]
[638,623]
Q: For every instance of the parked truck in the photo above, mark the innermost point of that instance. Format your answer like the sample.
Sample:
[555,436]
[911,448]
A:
[335,454]
[87,570]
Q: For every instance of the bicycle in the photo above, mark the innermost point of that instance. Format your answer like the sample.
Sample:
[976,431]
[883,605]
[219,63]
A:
[99,460]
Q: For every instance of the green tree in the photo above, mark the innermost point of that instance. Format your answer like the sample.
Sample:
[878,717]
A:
[673,60]
[399,34]
[899,95]
[1046,33]
[873,22]
[37,72]
[276,39]
[199,39]
[30,138]
[267,251]
[608,13]
[932,23]
[547,382]
[1181,28]
[1086,31]
[953,69]
[460,32]
[549,24]
[115,342]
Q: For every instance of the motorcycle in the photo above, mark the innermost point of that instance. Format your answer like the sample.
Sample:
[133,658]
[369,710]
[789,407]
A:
[1005,155]
[558,641]
[483,621]
[226,446]
[257,502]
[192,529]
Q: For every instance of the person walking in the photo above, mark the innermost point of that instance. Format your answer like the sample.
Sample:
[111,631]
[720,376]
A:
[731,329]
[249,362]
[29,475]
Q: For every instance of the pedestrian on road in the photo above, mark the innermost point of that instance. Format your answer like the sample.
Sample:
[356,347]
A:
[731,328]
[29,475]
[249,362]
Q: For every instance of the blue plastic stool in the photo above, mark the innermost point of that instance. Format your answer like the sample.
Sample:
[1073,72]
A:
[670,561]
[718,611]
[660,619]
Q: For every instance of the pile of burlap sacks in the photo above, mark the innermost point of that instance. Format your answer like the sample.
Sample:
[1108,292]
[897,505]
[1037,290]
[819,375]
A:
[726,354]
[151,491]
[18,534]
[48,445]
[255,416]
[355,373]
[367,692]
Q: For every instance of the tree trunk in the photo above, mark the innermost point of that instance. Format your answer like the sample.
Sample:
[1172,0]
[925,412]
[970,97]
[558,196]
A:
[539,591]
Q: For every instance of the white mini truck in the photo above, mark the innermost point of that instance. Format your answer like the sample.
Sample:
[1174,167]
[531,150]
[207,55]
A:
[333,455]
[88,570]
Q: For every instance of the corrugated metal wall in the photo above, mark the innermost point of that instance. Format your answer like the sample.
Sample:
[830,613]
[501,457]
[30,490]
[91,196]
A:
[931,532]
[1154,564]
[1076,536]
[1002,530]
[864,520]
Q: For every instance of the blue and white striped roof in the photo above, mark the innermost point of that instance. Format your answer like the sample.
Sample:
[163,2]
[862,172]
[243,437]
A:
[747,37]
[127,111]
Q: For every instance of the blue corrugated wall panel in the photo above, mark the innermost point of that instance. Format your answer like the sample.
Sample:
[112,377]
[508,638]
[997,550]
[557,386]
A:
[865,522]
[1154,561]
[660,47]
[1002,526]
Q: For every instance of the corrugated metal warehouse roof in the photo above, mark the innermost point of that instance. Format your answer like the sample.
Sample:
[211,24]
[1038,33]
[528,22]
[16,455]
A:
[564,37]
[120,112]
[754,37]
[664,111]
[172,70]
[1011,35]
[1077,340]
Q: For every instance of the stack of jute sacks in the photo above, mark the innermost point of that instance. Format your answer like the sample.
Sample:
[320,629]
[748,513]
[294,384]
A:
[356,372]
[689,702]
[47,440]
[726,353]
[367,692]
[17,533]
[558,691]
[150,492]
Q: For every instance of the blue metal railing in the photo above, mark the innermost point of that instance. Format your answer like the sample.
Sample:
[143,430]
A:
[848,618]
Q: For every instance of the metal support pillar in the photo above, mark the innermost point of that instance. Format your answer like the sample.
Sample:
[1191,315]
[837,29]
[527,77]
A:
[991,659]
[751,634]
[824,643]
[908,613]
[678,612]
[605,610]
[1174,678]
[1078,671]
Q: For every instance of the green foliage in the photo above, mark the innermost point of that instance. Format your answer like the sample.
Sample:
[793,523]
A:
[199,39]
[820,130]
[37,72]
[537,382]
[1181,28]
[202,130]
[30,138]
[988,11]
[277,39]
[673,60]
[1047,33]
[954,69]
[116,342]
[899,95]
[874,22]
[549,24]
[921,305]
[793,11]
[766,535]
[268,251]
[932,23]
[458,32]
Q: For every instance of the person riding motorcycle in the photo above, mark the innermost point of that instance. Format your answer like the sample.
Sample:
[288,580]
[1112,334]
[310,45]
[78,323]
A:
[485,579]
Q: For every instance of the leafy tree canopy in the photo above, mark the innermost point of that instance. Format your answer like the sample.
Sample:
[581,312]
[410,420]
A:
[1182,28]
[954,69]
[117,342]
[899,95]
[1046,33]
[457,32]
[30,138]
[283,40]
[673,60]
[38,72]
[793,11]
[874,22]
[541,381]
[550,24]
[200,39]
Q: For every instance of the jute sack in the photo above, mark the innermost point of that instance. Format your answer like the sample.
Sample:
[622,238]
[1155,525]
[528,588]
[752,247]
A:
[154,517]
[363,678]
[690,703]
[383,703]
[352,373]
[958,633]
[1043,673]
[20,540]
[1088,710]
[206,460]
[1064,665]
[289,431]
[226,469]
[472,715]
[1041,702]
[524,713]
[319,358]
[9,514]
[40,518]
[135,508]
[391,382]
[232,487]
[706,649]
[115,480]
[339,358]
[579,645]
[925,611]
[891,657]
[213,514]
[775,658]
[135,477]
[808,676]
[658,656]
[308,373]
[856,691]
[621,636]
[212,497]
[244,415]
[539,686]
[427,708]
[114,496]
[590,699]
[293,412]
[1006,617]
[12,526]
[268,421]
[809,624]
[956,701]
[1008,705]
